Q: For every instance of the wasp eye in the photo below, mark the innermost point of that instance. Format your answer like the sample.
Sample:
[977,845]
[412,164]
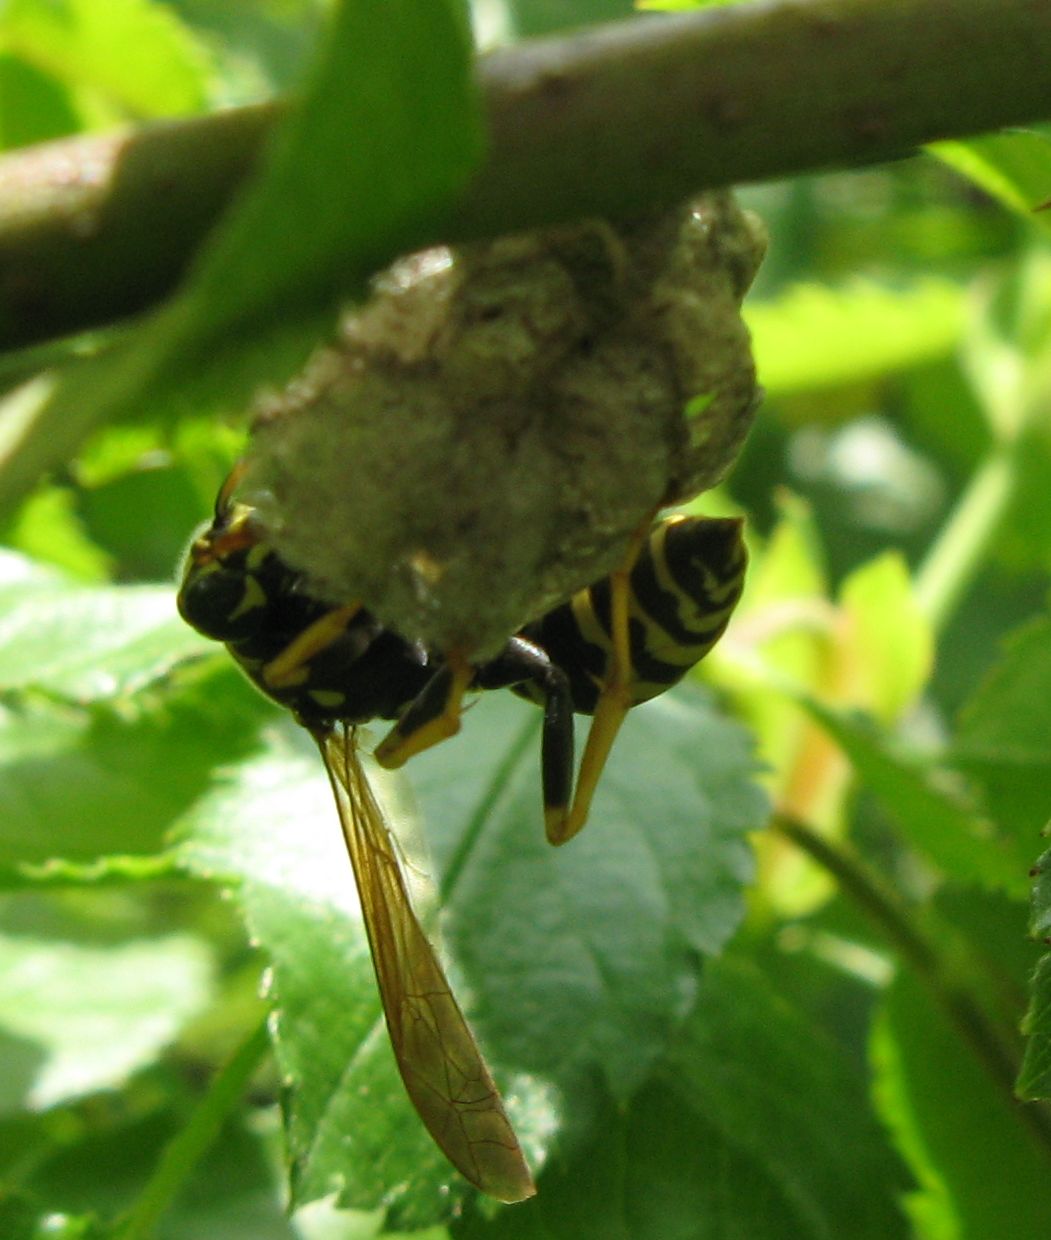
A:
[222,603]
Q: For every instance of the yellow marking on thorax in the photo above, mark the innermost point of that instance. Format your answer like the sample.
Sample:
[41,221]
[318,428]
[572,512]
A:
[329,698]
[291,666]
[254,596]
[255,557]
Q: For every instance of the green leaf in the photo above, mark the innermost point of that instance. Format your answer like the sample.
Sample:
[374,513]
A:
[1014,167]
[779,638]
[574,961]
[1034,1081]
[47,528]
[82,783]
[88,1017]
[813,337]
[382,136]
[87,643]
[396,76]
[789,1107]
[1009,717]
[891,640]
[167,506]
[1040,919]
[979,1170]
[270,830]
[586,956]
[1002,737]
[237,1193]
[933,814]
[135,55]
[34,107]
[755,1124]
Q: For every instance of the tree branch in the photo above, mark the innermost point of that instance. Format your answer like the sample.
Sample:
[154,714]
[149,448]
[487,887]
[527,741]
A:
[614,120]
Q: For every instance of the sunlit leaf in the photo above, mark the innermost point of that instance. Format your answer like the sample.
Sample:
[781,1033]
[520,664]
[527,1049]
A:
[85,1018]
[891,646]
[1013,166]
[814,337]
[931,1090]
[612,923]
[89,643]
[48,529]
[79,783]
[572,961]
[135,54]
[1007,357]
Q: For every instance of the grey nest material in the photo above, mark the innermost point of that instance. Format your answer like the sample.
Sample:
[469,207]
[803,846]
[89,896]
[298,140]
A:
[497,420]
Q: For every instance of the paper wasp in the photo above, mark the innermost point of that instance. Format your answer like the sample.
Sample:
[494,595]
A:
[619,642]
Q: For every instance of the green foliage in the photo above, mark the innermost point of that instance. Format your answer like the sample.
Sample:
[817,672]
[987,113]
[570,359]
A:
[383,131]
[814,336]
[837,1057]
[548,944]
[103,62]
[755,1122]
[93,1015]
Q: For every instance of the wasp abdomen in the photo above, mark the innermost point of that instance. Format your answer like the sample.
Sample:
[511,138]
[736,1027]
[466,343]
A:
[682,589]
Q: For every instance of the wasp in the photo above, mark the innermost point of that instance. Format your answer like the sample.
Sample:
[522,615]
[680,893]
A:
[619,642]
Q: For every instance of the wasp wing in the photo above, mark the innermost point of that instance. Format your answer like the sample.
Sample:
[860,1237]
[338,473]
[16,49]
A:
[438,1058]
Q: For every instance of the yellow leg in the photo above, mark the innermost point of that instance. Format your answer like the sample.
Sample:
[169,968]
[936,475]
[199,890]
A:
[287,668]
[411,735]
[613,704]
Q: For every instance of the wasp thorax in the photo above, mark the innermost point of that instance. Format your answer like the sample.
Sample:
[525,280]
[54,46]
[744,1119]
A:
[495,423]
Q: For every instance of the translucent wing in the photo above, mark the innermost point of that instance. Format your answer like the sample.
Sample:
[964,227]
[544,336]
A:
[439,1060]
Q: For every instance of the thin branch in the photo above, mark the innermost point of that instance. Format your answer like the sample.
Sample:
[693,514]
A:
[960,551]
[193,1141]
[620,118]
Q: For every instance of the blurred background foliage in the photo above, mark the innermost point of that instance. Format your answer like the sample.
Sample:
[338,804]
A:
[843,1062]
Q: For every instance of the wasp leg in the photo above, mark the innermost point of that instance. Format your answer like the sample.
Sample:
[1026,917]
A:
[288,668]
[615,696]
[523,662]
[432,716]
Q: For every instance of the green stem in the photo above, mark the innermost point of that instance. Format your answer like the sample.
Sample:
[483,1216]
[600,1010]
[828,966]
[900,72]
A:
[894,919]
[190,1145]
[959,552]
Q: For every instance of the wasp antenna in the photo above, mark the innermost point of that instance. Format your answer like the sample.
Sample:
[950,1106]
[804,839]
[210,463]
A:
[226,491]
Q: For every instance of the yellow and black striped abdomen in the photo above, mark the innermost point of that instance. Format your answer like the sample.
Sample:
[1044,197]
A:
[683,588]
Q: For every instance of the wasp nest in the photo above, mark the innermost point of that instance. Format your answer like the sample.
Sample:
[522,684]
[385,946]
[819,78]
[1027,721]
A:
[495,422]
